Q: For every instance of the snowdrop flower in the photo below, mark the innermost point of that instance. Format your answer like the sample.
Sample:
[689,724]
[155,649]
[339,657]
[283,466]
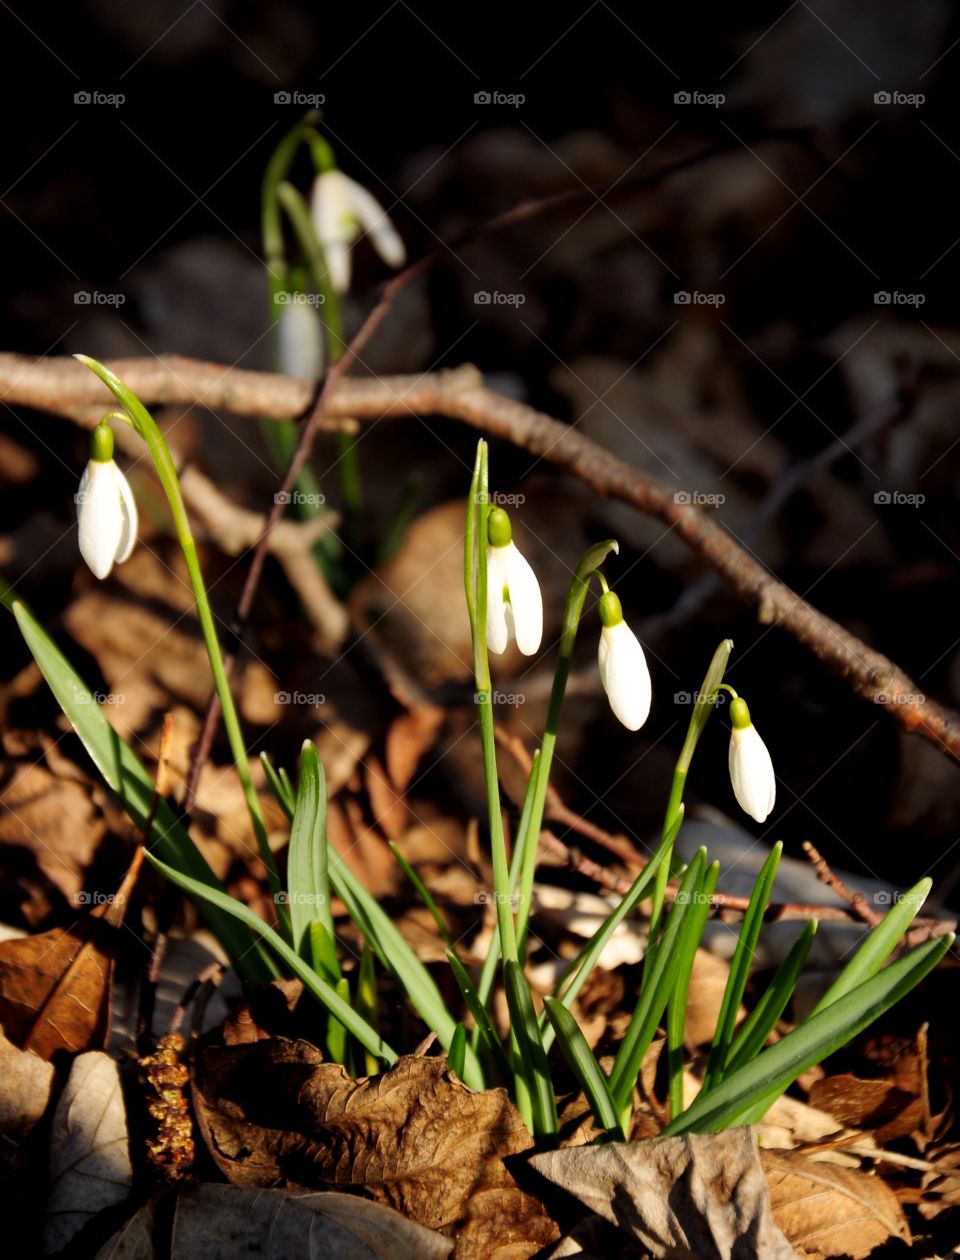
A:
[299,338]
[623,666]
[106,510]
[751,770]
[514,603]
[341,209]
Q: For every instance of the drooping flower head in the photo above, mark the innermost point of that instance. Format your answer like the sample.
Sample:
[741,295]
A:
[514,603]
[751,769]
[106,509]
[299,338]
[341,210]
[623,666]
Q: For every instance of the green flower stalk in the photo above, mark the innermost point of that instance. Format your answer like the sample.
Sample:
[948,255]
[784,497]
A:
[140,419]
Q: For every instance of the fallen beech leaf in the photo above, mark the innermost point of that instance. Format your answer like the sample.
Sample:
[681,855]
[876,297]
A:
[89,1158]
[221,1222]
[55,988]
[26,1084]
[409,737]
[415,1139]
[869,1104]
[684,1198]
[829,1210]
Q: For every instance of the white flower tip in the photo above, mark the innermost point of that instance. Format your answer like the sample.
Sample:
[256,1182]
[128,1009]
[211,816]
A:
[751,773]
[625,676]
[106,517]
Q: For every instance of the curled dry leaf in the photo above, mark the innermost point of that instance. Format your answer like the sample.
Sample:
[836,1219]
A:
[415,1139]
[55,988]
[831,1211]
[221,1222]
[682,1198]
[90,1165]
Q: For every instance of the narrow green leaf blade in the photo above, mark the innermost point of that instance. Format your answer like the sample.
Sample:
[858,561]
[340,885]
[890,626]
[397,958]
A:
[523,1021]
[762,1080]
[759,1024]
[399,959]
[307,879]
[740,966]
[316,985]
[584,1066]
[687,944]
[123,771]
[485,1029]
[657,986]
[879,944]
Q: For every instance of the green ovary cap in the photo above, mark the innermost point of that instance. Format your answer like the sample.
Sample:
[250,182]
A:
[611,614]
[101,443]
[740,714]
[499,530]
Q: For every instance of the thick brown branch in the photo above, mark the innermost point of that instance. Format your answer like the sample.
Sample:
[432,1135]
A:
[66,388]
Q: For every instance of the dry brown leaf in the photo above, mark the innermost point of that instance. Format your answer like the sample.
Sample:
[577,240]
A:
[26,1086]
[48,817]
[55,988]
[390,810]
[410,736]
[221,1222]
[415,1139]
[684,1198]
[831,1211]
[869,1104]
[90,1165]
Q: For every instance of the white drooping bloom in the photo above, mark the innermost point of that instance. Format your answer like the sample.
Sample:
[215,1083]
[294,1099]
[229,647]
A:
[514,602]
[751,769]
[106,509]
[623,666]
[341,210]
[300,338]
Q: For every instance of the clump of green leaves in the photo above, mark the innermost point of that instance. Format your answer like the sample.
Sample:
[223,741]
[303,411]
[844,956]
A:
[743,1076]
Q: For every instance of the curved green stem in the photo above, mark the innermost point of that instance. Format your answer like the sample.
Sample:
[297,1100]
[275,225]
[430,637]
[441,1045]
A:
[147,428]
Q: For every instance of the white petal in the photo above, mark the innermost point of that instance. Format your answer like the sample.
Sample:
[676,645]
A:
[300,340]
[384,237]
[336,225]
[526,603]
[100,516]
[129,504]
[624,674]
[751,773]
[498,629]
